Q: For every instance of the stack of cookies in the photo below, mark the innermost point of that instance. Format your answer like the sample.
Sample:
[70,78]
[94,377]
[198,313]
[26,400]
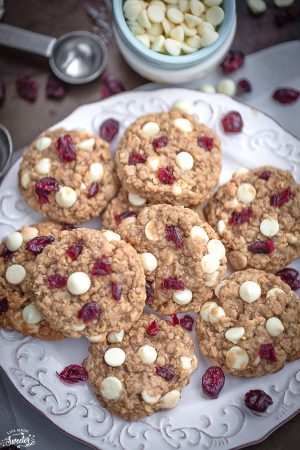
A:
[155,248]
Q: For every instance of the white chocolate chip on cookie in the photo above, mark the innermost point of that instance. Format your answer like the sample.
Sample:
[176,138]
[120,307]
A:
[182,297]
[274,326]
[111,235]
[25,180]
[88,144]
[31,314]
[42,143]
[150,399]
[219,287]
[274,292]
[14,241]
[237,358]
[149,261]
[136,200]
[29,233]
[115,336]
[198,232]
[183,125]
[111,388]
[15,274]
[269,227]
[78,283]
[221,227]
[148,354]
[184,160]
[65,197]
[114,357]
[43,167]
[186,362]
[210,263]
[250,291]
[96,172]
[246,193]
[234,334]
[170,399]
[216,247]
[151,129]
[150,231]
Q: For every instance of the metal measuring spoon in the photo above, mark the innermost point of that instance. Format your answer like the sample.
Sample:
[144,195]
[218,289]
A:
[6,149]
[77,57]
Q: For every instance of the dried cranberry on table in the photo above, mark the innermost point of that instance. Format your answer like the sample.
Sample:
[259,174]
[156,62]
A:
[257,400]
[243,86]
[73,374]
[109,129]
[232,122]
[55,88]
[111,86]
[213,381]
[290,277]
[233,61]
[27,88]
[286,95]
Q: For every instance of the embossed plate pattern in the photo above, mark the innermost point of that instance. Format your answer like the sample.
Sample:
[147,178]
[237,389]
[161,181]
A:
[197,422]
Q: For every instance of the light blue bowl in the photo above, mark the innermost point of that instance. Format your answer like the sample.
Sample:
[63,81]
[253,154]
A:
[168,61]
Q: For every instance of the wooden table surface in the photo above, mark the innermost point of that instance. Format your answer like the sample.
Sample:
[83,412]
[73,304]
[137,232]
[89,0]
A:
[25,120]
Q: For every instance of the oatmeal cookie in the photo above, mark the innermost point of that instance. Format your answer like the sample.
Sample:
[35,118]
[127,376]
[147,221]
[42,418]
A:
[18,253]
[169,158]
[182,256]
[88,283]
[68,176]
[142,371]
[252,325]
[257,215]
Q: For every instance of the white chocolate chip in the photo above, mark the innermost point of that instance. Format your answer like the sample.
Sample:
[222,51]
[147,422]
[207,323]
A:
[178,34]
[182,297]
[257,6]
[155,13]
[43,143]
[136,200]
[65,197]
[170,399]
[43,167]
[234,334]
[227,86]
[246,193]
[208,89]
[150,399]
[111,235]
[188,31]
[191,20]
[150,231]
[160,3]
[187,48]
[153,163]
[291,238]
[283,3]
[218,288]
[186,362]
[149,261]
[241,171]
[136,28]
[269,227]
[184,106]
[156,30]
[31,314]
[115,336]
[184,5]
[147,353]
[15,274]
[25,180]
[176,189]
[183,125]
[198,232]
[29,233]
[221,227]
[274,326]
[213,2]
[88,144]
[143,19]
[173,47]
[237,358]
[250,291]
[131,9]
[114,357]
[194,41]
[175,15]
[212,278]
[96,338]
[151,129]
[78,283]
[14,241]
[196,7]
[167,26]
[184,160]
[79,327]
[210,263]
[208,37]
[216,247]
[96,172]
[83,187]
[274,291]
[158,44]
[144,39]
[215,15]
[211,312]
[111,388]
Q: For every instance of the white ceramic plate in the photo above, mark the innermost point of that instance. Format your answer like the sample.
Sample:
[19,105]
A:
[197,422]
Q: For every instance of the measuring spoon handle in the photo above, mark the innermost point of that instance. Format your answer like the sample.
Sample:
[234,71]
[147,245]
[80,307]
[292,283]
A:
[28,41]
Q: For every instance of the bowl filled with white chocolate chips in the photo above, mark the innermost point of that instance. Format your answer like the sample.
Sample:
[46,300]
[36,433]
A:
[174,41]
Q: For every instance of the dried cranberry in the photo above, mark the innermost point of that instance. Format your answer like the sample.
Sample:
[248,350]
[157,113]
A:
[286,95]
[165,372]
[27,88]
[243,86]
[73,374]
[280,198]
[149,292]
[213,381]
[153,328]
[3,305]
[5,253]
[55,88]
[173,234]
[102,266]
[111,86]
[160,142]
[43,187]
[206,143]
[124,215]
[257,400]
[2,92]
[75,250]
[66,148]
[187,322]
[232,122]
[262,247]
[67,227]
[267,352]
[93,190]
[116,291]
[265,175]
[233,61]
[289,276]
[238,218]
[172,283]
[136,158]
[89,312]
[165,175]
[174,320]
[108,129]
[57,281]
[37,244]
